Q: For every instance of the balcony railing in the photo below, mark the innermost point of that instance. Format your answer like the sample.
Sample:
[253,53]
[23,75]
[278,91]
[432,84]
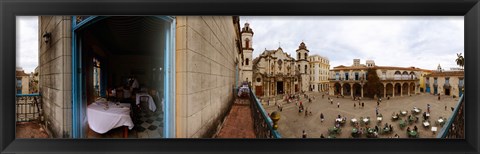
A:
[262,123]
[455,125]
[29,107]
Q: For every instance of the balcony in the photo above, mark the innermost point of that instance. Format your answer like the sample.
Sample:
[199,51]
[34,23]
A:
[245,114]
[455,125]
[398,79]
[29,116]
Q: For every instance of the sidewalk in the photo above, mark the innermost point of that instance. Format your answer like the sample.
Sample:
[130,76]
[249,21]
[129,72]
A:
[239,122]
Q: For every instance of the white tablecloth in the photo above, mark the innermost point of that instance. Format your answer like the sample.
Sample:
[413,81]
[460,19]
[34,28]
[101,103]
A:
[338,119]
[102,119]
[354,120]
[426,124]
[365,120]
[243,89]
[151,103]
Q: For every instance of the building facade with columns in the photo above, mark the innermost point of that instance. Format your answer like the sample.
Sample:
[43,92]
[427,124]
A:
[396,81]
[448,83]
[275,72]
[319,70]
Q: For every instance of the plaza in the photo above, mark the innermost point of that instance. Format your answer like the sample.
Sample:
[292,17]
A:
[292,123]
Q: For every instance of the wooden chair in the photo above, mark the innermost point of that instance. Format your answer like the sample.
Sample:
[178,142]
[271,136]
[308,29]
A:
[143,100]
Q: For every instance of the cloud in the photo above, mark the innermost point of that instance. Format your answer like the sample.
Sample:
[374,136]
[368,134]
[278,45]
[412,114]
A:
[27,42]
[405,41]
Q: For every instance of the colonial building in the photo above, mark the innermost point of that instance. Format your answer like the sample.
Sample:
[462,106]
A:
[449,83]
[23,81]
[319,70]
[396,81]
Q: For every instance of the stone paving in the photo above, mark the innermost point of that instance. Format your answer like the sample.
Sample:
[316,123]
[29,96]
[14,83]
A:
[291,123]
[30,130]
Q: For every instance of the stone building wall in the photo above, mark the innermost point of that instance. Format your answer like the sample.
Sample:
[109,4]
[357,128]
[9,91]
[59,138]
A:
[206,54]
[55,74]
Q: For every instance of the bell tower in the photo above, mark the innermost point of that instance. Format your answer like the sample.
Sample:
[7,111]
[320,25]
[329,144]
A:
[247,49]
[302,61]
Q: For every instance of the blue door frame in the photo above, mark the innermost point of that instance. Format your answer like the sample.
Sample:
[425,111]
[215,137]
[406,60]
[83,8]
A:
[169,77]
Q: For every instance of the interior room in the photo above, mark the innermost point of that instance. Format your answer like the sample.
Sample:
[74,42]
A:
[122,60]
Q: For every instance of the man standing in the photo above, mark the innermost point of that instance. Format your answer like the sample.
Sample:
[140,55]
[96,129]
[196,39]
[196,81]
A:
[338,104]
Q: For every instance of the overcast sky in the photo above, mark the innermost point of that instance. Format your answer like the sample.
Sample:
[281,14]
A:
[416,41]
[27,43]
[406,41]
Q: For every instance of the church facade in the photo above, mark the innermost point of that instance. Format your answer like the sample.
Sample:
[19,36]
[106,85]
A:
[275,72]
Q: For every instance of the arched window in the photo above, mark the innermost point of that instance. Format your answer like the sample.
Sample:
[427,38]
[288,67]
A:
[247,43]
[298,55]
[246,63]
[306,55]
[306,69]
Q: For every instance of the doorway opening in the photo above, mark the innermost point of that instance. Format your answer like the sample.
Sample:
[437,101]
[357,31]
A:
[122,64]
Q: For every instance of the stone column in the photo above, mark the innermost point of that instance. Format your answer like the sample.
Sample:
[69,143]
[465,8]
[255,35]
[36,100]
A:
[362,90]
[401,90]
[409,90]
[384,91]
[341,89]
[393,90]
[351,90]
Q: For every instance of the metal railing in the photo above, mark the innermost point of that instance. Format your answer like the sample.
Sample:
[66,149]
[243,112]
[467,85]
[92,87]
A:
[262,123]
[455,125]
[29,107]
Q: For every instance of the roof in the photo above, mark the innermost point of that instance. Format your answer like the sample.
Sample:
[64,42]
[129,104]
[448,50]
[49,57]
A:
[447,73]
[363,67]
[21,73]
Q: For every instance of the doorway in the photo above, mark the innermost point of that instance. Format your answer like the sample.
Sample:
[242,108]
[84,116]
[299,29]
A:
[108,52]
[279,87]
[447,91]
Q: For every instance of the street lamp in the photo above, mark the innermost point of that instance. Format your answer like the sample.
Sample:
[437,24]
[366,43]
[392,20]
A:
[46,37]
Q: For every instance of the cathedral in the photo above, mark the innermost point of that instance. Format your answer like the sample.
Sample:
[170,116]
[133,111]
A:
[274,72]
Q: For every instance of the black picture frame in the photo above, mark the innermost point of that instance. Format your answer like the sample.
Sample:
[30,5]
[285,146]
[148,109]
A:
[470,9]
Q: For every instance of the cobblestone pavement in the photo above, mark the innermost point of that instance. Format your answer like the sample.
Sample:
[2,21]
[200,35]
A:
[30,130]
[291,123]
[239,121]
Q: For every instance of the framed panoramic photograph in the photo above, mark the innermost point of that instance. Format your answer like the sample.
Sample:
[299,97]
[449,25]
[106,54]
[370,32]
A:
[211,76]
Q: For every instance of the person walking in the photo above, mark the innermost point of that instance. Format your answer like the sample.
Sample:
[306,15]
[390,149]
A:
[321,117]
[304,135]
[428,108]
[354,105]
[363,105]
[338,104]
[376,111]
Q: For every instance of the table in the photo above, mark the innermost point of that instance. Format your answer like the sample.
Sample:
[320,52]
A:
[151,102]
[354,120]
[426,124]
[365,120]
[404,112]
[102,119]
[338,120]
[354,130]
[412,133]
[379,118]
[434,129]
